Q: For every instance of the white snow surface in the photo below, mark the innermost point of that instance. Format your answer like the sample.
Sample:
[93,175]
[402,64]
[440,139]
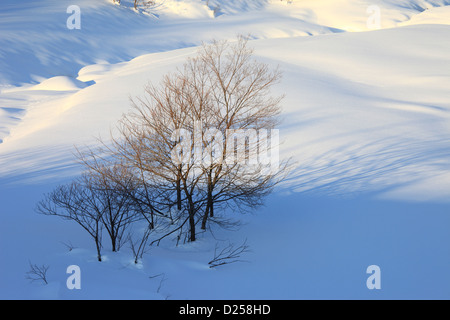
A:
[366,120]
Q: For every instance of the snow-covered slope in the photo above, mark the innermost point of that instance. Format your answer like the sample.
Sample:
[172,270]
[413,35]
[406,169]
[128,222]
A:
[435,15]
[349,130]
[366,118]
[36,43]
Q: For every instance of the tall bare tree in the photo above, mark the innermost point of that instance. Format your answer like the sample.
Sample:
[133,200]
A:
[178,141]
[241,101]
[223,87]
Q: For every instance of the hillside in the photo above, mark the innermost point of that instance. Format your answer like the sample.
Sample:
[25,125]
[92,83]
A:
[366,120]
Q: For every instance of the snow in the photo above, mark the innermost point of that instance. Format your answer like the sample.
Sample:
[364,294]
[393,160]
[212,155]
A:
[436,15]
[60,83]
[366,120]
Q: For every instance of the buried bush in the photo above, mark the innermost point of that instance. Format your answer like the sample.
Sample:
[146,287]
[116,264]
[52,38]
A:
[96,203]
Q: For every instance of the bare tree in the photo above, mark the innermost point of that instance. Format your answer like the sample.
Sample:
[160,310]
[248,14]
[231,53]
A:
[139,247]
[145,143]
[37,273]
[78,202]
[241,101]
[96,201]
[114,186]
[144,3]
[228,254]
[222,88]
[163,278]
[68,245]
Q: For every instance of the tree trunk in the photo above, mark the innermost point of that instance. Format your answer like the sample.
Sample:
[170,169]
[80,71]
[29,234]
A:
[113,243]
[179,188]
[152,216]
[192,225]
[97,244]
[205,217]
[211,208]
[209,203]
[191,219]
